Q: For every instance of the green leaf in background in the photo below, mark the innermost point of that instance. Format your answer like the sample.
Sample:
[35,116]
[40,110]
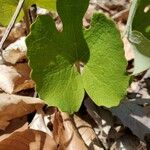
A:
[47,4]
[140,42]
[55,58]
[138,32]
[141,62]
[141,20]
[8,8]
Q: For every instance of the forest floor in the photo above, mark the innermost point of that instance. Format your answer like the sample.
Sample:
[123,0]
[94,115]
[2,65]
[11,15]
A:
[26,122]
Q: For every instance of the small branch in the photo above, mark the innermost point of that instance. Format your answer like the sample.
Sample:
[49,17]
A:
[11,24]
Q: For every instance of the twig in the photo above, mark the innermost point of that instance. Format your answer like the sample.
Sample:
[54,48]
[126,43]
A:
[11,24]
[122,15]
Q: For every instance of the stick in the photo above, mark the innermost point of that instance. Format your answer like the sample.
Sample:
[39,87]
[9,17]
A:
[11,24]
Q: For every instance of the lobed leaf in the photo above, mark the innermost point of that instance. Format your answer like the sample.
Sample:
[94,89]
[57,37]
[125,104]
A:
[56,58]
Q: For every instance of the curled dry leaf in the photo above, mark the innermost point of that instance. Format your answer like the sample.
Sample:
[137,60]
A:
[15,79]
[16,51]
[40,122]
[65,134]
[28,140]
[12,106]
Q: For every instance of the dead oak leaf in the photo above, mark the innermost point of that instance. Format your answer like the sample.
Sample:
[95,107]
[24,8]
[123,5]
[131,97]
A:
[28,140]
[15,78]
[13,106]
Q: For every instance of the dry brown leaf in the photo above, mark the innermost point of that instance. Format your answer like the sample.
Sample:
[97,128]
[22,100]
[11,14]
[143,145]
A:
[65,134]
[28,140]
[103,118]
[15,79]
[40,122]
[87,133]
[16,51]
[24,82]
[18,31]
[18,124]
[1,60]
[13,106]
[8,76]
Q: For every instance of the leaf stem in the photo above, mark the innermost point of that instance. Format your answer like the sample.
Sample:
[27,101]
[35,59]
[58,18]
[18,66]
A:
[77,64]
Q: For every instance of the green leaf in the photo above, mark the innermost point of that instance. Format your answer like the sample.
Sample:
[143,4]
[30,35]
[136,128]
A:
[8,8]
[138,32]
[141,20]
[104,74]
[140,42]
[141,62]
[56,57]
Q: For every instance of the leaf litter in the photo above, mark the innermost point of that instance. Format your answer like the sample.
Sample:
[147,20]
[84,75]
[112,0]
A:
[99,130]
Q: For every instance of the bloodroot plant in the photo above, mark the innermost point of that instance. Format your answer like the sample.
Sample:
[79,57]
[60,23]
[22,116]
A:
[67,64]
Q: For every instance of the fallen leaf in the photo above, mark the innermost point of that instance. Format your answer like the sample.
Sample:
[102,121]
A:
[7,78]
[28,140]
[13,106]
[17,32]
[39,122]
[65,134]
[87,133]
[15,125]
[102,117]
[16,51]
[15,79]
[24,82]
